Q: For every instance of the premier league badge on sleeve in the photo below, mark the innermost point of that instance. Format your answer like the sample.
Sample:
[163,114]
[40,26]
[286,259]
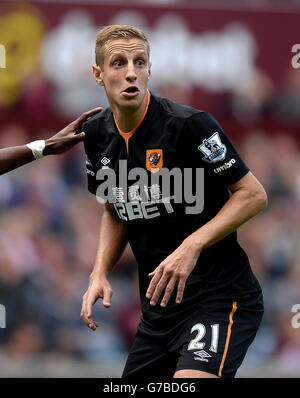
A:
[213,149]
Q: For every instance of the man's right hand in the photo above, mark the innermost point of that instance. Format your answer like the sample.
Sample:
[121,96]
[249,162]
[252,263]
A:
[98,288]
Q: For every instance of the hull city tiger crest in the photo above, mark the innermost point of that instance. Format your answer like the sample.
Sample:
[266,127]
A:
[213,149]
[154,160]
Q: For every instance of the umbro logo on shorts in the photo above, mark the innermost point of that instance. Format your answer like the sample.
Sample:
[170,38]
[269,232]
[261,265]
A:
[202,356]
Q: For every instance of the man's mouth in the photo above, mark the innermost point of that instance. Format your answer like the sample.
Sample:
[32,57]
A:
[131,90]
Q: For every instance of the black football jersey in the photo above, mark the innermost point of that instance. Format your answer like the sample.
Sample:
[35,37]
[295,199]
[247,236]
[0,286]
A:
[194,146]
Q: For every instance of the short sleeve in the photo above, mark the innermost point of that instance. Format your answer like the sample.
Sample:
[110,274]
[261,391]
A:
[91,169]
[91,176]
[210,148]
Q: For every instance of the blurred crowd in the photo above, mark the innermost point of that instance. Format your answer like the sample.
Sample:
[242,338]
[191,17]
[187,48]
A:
[272,242]
[212,2]
[222,2]
[49,233]
[49,222]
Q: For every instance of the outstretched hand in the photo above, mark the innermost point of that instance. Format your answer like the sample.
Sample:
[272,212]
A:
[68,137]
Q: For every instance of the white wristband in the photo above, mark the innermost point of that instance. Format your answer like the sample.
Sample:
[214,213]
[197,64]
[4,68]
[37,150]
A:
[37,148]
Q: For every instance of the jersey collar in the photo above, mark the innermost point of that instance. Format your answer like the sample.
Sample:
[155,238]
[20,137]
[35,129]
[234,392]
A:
[128,134]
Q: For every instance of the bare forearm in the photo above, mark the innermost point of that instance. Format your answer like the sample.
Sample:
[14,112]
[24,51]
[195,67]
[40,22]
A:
[244,204]
[112,242]
[13,157]
[235,212]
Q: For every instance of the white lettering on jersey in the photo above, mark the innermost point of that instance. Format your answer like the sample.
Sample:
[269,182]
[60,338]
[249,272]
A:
[225,166]
[135,210]
[90,172]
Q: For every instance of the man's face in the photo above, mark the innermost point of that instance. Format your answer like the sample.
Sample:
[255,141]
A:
[125,73]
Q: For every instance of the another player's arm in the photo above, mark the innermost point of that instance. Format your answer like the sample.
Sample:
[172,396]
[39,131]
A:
[14,157]
[248,199]
[112,243]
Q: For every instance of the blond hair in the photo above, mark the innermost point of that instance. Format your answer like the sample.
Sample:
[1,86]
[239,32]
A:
[115,32]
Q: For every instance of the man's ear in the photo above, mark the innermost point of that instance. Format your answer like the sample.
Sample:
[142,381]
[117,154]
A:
[149,70]
[98,74]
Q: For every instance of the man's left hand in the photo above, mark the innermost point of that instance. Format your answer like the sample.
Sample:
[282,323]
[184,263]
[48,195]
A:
[175,269]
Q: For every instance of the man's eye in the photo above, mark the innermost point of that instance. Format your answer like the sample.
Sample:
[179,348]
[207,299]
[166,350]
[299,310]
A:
[117,63]
[140,62]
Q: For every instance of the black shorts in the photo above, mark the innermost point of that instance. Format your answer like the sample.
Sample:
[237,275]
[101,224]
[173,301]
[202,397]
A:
[211,340]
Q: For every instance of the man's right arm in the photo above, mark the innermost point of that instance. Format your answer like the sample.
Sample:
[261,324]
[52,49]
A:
[112,242]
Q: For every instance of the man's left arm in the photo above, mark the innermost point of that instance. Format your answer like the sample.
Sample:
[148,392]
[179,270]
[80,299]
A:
[248,199]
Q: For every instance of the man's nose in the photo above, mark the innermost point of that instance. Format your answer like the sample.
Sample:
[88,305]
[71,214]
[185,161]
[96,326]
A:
[131,73]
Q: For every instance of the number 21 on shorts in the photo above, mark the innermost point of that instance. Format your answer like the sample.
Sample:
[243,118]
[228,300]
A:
[197,344]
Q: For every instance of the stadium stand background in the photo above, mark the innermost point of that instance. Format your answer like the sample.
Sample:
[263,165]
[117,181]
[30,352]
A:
[227,57]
